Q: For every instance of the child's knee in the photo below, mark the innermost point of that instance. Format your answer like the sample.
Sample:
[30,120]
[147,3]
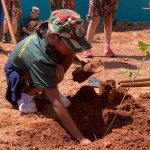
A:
[15,76]
[32,25]
[60,73]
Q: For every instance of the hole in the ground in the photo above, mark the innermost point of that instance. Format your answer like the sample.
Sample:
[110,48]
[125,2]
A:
[92,113]
[92,116]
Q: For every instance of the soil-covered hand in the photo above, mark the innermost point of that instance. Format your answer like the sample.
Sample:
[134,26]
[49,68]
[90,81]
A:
[84,72]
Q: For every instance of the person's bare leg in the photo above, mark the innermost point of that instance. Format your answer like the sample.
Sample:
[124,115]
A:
[92,27]
[5,26]
[91,32]
[14,24]
[107,36]
[5,31]
[32,26]
[107,30]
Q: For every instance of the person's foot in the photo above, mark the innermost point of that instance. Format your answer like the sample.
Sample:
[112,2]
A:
[88,54]
[109,53]
[11,42]
[26,104]
[4,39]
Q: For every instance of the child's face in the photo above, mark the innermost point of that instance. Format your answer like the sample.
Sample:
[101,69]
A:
[63,48]
[60,45]
[34,16]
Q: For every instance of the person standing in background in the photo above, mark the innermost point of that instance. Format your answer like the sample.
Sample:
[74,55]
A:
[107,9]
[0,12]
[61,4]
[14,9]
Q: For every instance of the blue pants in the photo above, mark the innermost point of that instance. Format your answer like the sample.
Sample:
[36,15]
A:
[13,78]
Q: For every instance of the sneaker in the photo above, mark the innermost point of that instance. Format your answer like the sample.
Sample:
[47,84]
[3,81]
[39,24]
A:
[109,53]
[66,102]
[26,104]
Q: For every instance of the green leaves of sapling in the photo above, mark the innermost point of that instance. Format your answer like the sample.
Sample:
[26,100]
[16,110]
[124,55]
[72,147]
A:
[143,46]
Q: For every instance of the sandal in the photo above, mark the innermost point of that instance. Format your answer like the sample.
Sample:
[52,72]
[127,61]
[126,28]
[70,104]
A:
[88,54]
[109,53]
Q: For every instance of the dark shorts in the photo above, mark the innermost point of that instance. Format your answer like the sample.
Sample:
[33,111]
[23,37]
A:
[14,8]
[102,8]
[61,4]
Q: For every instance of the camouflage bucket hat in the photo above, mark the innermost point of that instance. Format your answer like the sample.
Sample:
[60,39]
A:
[70,27]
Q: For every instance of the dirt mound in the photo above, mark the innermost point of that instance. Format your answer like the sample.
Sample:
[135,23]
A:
[43,135]
[112,96]
[93,115]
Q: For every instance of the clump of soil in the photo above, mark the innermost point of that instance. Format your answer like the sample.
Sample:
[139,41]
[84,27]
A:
[106,87]
[144,101]
[82,73]
[113,96]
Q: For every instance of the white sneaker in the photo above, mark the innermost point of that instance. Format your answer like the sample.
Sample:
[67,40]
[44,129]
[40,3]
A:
[27,104]
[66,102]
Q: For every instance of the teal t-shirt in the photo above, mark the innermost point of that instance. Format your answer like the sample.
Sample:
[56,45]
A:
[30,56]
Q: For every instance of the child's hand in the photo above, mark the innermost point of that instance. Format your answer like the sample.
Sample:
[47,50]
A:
[85,141]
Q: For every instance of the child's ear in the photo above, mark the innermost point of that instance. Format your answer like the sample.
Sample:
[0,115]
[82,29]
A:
[55,36]
[41,29]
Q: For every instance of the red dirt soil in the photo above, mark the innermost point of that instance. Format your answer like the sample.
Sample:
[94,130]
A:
[92,113]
